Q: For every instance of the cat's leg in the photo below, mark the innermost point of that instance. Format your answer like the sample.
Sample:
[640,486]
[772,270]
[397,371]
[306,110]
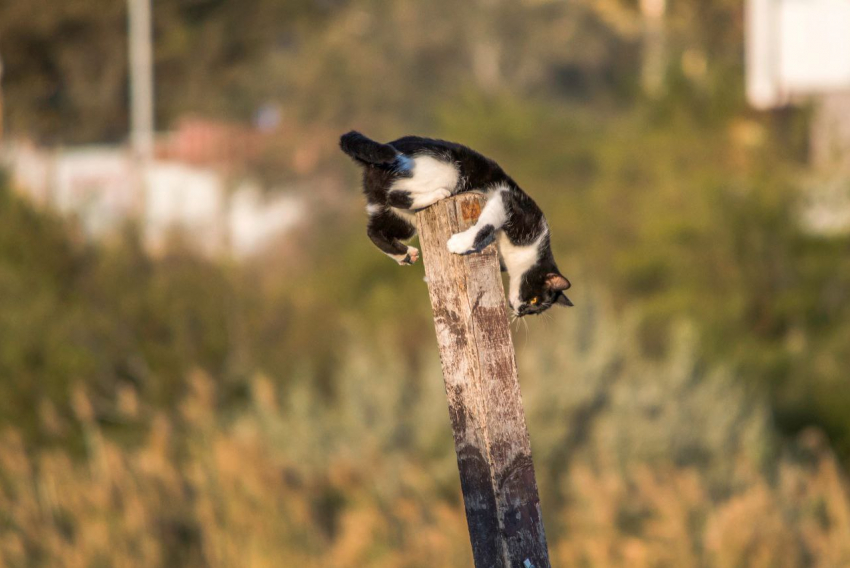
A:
[493,217]
[386,228]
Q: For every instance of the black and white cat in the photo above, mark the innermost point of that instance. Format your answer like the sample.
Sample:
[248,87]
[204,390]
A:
[412,173]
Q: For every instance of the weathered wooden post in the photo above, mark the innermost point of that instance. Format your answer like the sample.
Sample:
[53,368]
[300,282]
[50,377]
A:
[482,387]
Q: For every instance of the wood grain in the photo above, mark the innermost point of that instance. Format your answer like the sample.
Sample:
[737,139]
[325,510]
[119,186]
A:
[482,387]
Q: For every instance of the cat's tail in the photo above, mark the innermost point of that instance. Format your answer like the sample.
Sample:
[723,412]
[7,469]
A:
[361,148]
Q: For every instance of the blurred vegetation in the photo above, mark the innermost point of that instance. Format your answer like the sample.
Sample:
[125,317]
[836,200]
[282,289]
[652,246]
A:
[664,463]
[181,411]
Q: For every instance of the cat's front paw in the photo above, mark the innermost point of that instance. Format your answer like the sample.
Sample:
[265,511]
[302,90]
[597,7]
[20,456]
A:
[462,243]
[410,258]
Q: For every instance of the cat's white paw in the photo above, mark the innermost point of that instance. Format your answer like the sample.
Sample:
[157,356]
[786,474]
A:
[410,258]
[462,243]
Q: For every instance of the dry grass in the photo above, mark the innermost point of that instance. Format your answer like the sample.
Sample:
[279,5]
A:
[673,466]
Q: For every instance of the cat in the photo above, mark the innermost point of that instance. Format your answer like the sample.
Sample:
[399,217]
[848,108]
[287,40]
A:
[411,173]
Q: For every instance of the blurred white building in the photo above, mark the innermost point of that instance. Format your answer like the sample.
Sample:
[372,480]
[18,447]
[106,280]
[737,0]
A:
[254,218]
[93,184]
[795,49]
[798,51]
[185,198]
[103,187]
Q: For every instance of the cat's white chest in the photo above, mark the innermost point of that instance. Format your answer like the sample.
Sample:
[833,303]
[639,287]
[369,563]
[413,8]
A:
[518,259]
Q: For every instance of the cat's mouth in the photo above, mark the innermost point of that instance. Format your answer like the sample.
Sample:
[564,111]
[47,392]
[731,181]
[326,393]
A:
[530,310]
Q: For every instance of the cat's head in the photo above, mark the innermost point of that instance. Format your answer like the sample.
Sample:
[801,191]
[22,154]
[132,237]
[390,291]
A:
[540,290]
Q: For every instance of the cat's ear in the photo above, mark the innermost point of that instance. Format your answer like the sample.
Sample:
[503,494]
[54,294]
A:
[556,282]
[563,300]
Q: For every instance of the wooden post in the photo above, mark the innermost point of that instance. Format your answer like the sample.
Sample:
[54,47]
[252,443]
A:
[482,387]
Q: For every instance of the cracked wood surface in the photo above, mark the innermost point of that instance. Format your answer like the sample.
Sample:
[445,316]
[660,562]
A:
[482,387]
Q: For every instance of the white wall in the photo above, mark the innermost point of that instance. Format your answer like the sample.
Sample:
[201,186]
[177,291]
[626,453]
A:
[103,189]
[255,219]
[796,48]
[177,196]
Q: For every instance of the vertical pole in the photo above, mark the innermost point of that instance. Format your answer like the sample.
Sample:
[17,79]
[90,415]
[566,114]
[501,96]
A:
[654,46]
[141,78]
[140,52]
[1,101]
[761,19]
[482,387]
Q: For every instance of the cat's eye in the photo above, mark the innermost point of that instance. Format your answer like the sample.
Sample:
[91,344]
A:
[534,301]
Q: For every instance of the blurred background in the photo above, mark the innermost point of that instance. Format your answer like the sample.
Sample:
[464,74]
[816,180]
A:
[205,362]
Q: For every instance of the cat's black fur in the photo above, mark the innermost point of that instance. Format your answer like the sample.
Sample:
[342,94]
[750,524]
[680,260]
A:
[413,172]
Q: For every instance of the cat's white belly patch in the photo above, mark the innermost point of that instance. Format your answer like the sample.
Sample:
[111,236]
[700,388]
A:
[430,176]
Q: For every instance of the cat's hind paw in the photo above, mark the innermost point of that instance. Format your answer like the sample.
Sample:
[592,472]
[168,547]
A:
[410,258]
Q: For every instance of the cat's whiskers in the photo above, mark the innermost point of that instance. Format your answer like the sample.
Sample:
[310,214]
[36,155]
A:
[548,319]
